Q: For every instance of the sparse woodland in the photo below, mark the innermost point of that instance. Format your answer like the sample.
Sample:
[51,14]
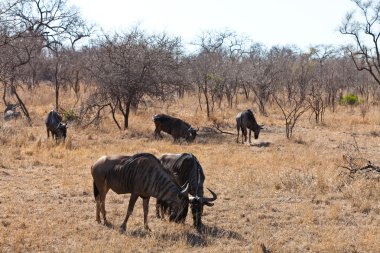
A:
[310,183]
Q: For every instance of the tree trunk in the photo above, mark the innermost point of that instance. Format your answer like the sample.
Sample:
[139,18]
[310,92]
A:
[205,93]
[126,115]
[4,92]
[56,88]
[22,105]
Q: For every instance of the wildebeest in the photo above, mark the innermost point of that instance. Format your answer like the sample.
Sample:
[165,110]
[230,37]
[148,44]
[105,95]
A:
[10,112]
[186,168]
[141,175]
[244,120]
[55,125]
[173,126]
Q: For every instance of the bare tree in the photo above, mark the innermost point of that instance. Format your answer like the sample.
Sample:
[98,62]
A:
[214,68]
[131,65]
[51,24]
[362,26]
[323,77]
[262,70]
[290,95]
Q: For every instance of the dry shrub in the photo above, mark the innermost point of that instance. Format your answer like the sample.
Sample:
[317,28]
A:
[297,180]
[362,193]
[69,145]
[335,212]
[309,216]
[322,185]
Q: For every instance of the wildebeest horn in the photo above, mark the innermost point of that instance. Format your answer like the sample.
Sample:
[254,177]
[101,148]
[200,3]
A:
[207,200]
[185,188]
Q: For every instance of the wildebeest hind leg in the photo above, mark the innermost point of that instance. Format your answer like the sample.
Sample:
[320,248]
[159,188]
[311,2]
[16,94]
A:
[98,208]
[146,210]
[249,135]
[131,205]
[102,204]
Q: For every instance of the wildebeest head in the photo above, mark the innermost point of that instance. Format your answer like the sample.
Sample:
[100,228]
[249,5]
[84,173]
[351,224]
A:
[256,131]
[61,130]
[192,133]
[197,204]
[178,212]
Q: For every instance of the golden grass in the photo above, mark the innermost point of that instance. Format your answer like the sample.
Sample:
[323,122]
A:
[288,195]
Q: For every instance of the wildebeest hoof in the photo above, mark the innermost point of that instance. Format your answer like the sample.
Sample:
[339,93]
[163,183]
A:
[107,224]
[122,229]
[147,229]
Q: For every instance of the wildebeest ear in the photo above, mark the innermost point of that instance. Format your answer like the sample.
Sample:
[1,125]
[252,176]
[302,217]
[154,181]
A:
[262,126]
[208,204]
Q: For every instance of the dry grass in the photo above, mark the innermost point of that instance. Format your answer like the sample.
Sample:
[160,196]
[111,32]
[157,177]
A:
[287,195]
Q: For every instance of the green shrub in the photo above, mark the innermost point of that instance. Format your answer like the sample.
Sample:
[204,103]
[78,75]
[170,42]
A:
[70,115]
[349,99]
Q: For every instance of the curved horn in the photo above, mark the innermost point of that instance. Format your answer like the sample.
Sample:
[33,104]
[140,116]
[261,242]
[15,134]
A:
[185,188]
[214,197]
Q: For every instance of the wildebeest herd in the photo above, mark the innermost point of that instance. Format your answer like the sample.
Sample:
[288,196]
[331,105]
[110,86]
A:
[175,180]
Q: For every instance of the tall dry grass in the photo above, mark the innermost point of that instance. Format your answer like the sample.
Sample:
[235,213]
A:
[289,195]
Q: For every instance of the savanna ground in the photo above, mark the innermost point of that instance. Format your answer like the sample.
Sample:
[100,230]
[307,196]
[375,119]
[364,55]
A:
[289,195]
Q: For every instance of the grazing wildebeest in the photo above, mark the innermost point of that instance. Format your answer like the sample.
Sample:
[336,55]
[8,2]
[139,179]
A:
[173,126]
[141,175]
[55,125]
[244,120]
[186,168]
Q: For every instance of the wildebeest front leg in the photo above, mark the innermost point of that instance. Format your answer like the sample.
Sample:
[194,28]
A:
[47,130]
[131,205]
[157,133]
[146,210]
[243,135]
[249,135]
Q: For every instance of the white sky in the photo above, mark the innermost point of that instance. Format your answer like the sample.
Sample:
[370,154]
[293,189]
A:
[271,22]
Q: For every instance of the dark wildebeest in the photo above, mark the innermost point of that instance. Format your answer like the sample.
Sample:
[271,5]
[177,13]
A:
[246,120]
[143,176]
[54,125]
[186,168]
[173,126]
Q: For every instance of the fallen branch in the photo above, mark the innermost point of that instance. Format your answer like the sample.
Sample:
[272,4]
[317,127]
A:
[353,167]
[217,127]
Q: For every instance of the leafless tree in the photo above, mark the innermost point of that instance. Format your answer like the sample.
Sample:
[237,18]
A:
[362,26]
[30,26]
[215,68]
[131,65]
[262,70]
[290,95]
[323,77]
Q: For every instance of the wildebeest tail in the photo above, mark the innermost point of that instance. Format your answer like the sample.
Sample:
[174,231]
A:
[96,191]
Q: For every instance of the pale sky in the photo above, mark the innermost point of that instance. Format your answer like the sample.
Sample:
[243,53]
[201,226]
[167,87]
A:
[271,22]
